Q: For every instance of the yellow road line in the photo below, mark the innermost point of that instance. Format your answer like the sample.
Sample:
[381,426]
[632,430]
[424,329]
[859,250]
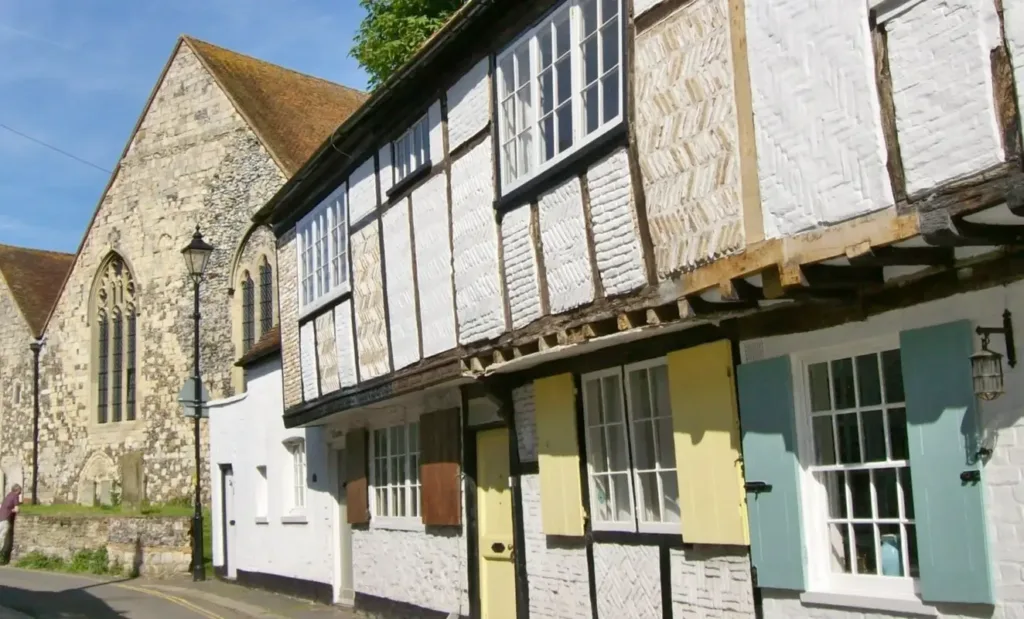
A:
[175,599]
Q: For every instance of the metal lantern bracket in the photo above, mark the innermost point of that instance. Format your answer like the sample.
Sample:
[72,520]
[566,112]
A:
[1007,331]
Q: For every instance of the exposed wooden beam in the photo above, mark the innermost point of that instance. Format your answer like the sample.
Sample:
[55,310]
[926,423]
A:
[842,277]
[739,289]
[941,229]
[905,256]
[703,307]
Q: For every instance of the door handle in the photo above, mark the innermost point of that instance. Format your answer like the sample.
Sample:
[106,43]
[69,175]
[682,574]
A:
[498,547]
[969,477]
[757,487]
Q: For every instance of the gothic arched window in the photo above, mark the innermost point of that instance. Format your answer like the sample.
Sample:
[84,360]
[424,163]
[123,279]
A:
[248,313]
[266,297]
[114,305]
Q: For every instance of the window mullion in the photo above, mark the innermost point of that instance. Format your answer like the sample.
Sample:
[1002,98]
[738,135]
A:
[627,418]
[576,79]
[535,98]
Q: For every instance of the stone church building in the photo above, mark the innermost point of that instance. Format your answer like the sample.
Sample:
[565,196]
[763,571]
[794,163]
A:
[220,133]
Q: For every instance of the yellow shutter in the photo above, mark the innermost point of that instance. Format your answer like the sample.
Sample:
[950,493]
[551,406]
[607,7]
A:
[707,442]
[558,455]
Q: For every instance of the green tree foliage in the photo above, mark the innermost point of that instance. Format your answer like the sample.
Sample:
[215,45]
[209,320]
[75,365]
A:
[393,30]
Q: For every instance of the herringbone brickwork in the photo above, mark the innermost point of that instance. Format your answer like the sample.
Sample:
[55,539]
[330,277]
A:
[687,136]
[371,329]
[327,353]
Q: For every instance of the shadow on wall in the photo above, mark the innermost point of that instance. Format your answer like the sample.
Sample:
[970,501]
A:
[70,603]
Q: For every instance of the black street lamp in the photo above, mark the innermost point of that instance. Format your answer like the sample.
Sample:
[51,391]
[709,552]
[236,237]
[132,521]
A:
[197,254]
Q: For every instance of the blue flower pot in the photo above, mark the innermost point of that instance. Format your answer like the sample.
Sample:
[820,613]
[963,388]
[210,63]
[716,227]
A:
[892,562]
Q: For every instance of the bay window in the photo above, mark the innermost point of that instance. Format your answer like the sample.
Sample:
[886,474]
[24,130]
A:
[630,453]
[395,474]
[861,510]
[559,87]
[322,245]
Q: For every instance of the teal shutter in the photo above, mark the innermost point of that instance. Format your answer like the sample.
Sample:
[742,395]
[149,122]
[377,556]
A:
[768,424]
[942,429]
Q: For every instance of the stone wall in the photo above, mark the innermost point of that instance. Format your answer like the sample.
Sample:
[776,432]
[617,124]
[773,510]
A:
[15,392]
[156,546]
[193,161]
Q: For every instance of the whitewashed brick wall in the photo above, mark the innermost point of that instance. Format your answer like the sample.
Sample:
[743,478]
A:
[434,265]
[479,303]
[1003,427]
[942,89]
[1013,20]
[307,352]
[345,341]
[559,584]
[526,425]
[436,133]
[521,281]
[563,236]
[707,582]
[469,105]
[362,191]
[387,173]
[821,154]
[628,580]
[405,344]
[620,260]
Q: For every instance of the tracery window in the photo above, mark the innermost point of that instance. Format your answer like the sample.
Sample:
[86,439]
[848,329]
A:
[248,313]
[266,297]
[115,347]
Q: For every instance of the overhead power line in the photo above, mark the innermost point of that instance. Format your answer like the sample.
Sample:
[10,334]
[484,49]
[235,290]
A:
[54,148]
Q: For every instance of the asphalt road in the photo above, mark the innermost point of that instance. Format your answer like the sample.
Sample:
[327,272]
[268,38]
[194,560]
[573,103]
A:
[43,595]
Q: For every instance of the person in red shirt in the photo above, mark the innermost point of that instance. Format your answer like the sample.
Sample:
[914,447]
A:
[8,509]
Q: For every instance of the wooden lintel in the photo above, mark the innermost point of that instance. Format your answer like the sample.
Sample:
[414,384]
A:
[827,276]
[905,256]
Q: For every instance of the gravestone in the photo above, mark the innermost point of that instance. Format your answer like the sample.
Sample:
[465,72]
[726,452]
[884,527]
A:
[103,491]
[132,486]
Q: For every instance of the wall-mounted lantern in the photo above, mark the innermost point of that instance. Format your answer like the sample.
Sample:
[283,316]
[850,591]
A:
[987,365]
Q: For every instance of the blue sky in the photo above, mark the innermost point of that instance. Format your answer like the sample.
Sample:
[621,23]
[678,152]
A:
[76,73]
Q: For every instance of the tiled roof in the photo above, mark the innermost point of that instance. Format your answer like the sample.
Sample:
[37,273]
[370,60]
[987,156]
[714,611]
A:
[267,345]
[34,277]
[291,112]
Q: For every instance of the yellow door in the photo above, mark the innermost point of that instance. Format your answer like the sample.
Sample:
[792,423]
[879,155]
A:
[494,522]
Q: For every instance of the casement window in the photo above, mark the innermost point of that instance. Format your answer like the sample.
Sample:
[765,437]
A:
[630,455]
[860,497]
[262,493]
[395,474]
[559,87]
[322,250]
[297,480]
[411,151]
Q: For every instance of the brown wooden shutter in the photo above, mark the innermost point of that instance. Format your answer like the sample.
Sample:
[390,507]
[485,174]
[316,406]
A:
[356,486]
[440,471]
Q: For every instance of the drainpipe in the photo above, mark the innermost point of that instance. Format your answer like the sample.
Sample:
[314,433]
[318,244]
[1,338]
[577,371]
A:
[35,347]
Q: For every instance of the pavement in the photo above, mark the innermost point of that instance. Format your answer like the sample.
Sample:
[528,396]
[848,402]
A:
[32,594]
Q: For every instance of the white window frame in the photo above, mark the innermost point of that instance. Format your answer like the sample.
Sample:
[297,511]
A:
[580,138]
[262,495]
[636,525]
[814,499]
[405,159]
[321,242]
[295,481]
[407,523]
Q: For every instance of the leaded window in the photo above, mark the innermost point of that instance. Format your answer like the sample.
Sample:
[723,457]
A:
[115,349]
[266,297]
[248,313]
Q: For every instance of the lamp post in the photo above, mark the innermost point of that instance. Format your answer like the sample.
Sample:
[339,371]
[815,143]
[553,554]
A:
[197,254]
[35,346]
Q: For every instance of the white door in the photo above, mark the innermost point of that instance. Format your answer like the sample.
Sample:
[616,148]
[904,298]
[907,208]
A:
[230,549]
[345,587]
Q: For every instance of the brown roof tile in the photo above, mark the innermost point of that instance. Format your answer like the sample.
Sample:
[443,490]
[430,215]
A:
[267,345]
[35,277]
[293,113]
